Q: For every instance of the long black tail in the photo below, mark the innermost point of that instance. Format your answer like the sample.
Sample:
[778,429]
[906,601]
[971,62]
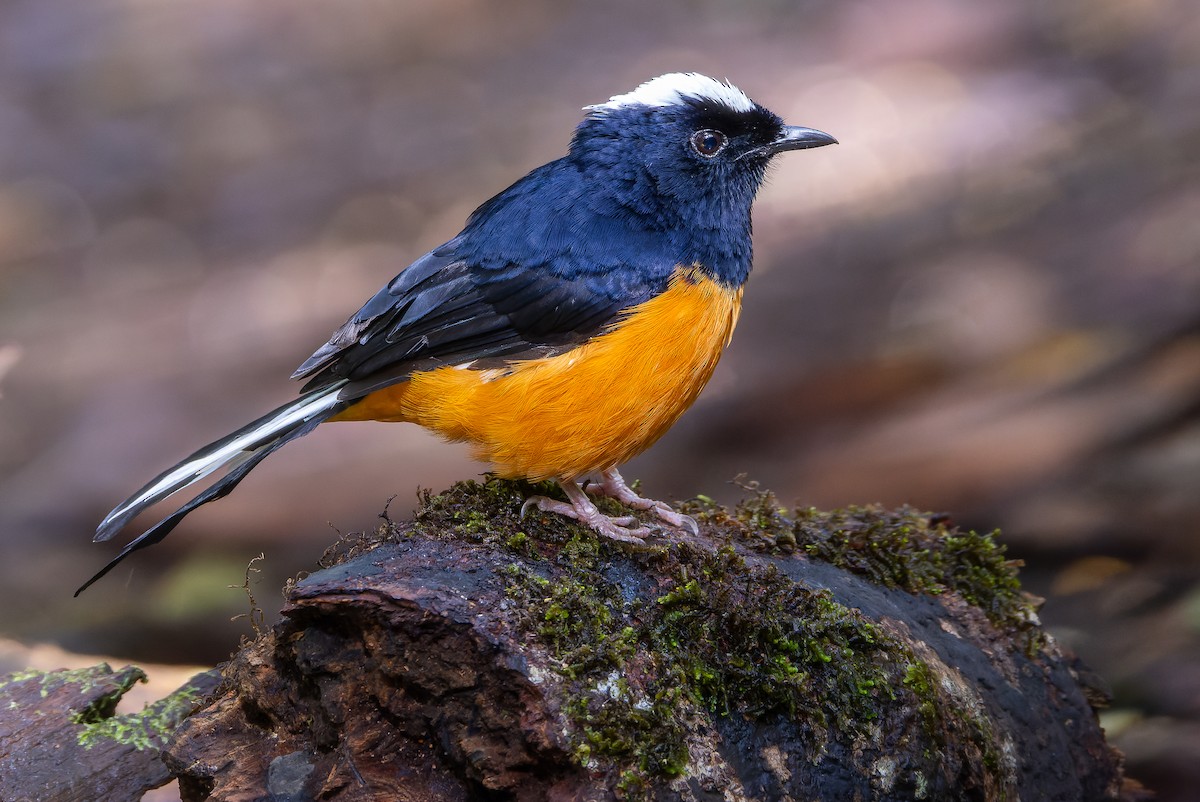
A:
[240,452]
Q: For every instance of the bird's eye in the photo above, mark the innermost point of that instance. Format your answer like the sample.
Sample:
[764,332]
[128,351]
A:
[708,143]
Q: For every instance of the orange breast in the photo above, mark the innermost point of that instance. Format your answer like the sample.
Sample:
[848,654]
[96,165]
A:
[591,408]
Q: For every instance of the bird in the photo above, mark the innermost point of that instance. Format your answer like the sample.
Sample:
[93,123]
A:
[570,323]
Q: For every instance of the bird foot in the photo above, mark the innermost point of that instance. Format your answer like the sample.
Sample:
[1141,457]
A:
[583,510]
[613,485]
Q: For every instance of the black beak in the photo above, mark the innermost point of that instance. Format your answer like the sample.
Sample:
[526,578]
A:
[793,137]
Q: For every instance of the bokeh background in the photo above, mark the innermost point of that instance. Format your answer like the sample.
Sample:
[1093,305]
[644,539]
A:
[985,301]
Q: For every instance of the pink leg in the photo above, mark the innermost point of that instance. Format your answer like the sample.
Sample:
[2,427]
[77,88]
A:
[583,510]
[613,486]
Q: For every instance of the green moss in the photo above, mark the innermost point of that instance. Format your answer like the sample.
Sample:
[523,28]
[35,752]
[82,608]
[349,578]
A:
[920,786]
[584,623]
[493,512]
[905,548]
[22,676]
[920,553]
[148,729]
[488,511]
[722,636]
[645,732]
[920,681]
[753,641]
[574,619]
[479,512]
[86,678]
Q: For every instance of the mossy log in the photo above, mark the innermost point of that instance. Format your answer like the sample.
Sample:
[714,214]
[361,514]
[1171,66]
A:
[61,741]
[472,654]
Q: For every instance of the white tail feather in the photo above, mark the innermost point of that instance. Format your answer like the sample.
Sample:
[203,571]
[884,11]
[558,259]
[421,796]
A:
[237,450]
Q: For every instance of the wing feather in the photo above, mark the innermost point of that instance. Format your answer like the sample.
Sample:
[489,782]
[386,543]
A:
[443,310]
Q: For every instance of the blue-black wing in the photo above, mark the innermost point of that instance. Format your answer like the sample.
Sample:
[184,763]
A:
[443,310]
[537,270]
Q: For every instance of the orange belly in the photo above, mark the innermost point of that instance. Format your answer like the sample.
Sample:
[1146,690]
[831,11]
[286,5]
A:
[591,408]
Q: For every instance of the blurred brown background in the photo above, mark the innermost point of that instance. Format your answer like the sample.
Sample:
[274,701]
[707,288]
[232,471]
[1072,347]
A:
[985,301]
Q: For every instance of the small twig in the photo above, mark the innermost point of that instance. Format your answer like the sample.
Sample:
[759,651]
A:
[255,615]
[387,519]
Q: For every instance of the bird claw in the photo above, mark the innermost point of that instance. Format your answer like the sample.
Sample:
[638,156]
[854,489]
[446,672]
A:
[613,486]
[532,501]
[624,528]
[614,528]
[689,523]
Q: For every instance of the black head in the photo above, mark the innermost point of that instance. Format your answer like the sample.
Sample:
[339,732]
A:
[685,148]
